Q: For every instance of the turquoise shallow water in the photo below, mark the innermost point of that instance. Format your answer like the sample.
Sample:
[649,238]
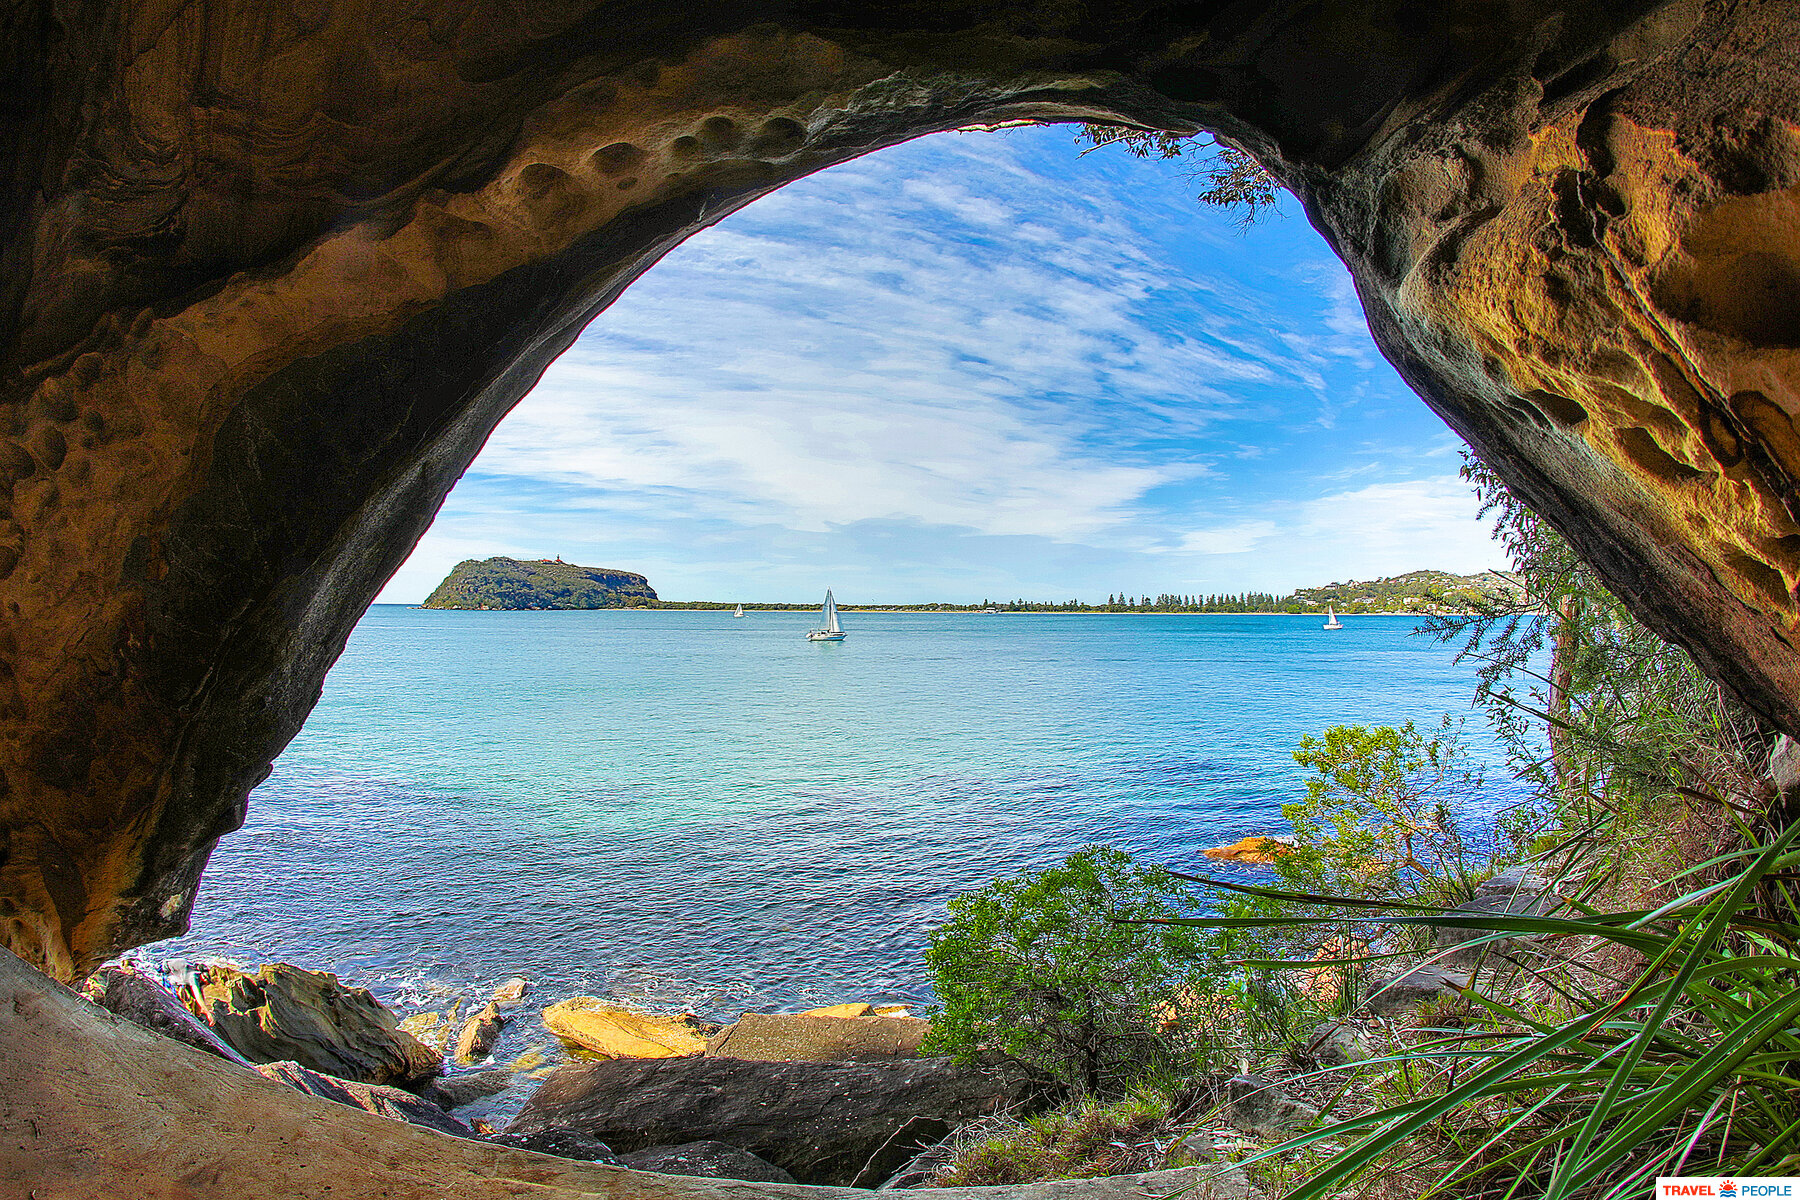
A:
[679,808]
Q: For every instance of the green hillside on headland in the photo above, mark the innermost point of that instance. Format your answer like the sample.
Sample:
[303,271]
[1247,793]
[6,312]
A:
[507,583]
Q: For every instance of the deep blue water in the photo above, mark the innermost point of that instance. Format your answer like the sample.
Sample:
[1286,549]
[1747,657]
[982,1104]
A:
[681,808]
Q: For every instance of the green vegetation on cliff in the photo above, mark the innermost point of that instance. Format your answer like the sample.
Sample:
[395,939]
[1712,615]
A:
[507,583]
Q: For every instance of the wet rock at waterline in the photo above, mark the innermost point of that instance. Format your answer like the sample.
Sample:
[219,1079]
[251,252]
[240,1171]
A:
[479,1033]
[390,1102]
[615,1032]
[713,1159]
[767,1037]
[1258,849]
[76,1078]
[129,992]
[819,1121]
[284,1013]
[512,991]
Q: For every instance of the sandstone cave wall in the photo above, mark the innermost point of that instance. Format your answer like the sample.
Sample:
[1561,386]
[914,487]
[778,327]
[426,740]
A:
[270,274]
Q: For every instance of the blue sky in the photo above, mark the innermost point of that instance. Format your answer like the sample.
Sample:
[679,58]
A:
[977,365]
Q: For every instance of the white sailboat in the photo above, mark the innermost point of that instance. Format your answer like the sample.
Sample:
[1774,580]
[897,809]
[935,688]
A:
[833,632]
[739,611]
[1331,621]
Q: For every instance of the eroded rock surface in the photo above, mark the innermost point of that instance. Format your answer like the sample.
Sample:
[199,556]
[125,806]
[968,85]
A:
[269,277]
[282,1012]
[822,1122]
[779,1037]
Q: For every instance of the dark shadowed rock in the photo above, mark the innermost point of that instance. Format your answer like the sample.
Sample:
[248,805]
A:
[284,1013]
[903,1145]
[564,1143]
[713,1159]
[389,1102]
[453,1091]
[130,993]
[820,1121]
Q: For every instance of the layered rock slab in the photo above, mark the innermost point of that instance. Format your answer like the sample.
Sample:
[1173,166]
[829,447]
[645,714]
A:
[821,1122]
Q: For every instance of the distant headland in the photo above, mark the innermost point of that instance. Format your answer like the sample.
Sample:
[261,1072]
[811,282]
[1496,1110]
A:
[507,583]
[512,584]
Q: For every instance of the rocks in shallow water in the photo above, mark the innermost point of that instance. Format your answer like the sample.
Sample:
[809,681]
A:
[769,1037]
[453,1091]
[616,1032]
[564,1143]
[1257,849]
[714,1159]
[129,992]
[819,1121]
[1257,1106]
[283,1013]
[479,1033]
[512,991]
[388,1102]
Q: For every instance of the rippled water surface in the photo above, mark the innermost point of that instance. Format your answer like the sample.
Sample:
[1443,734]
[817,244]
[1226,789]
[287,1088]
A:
[681,808]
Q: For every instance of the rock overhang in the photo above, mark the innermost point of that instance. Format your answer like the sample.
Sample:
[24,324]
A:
[270,277]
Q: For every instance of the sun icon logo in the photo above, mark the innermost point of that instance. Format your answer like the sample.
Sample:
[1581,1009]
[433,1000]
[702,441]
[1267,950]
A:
[1728,1190]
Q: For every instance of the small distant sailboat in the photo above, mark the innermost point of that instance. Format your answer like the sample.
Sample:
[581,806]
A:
[833,632]
[739,611]
[1331,621]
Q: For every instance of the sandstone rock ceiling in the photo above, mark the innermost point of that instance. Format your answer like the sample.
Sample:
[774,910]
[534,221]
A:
[271,270]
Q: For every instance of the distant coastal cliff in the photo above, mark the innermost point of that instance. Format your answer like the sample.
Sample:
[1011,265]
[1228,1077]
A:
[507,583]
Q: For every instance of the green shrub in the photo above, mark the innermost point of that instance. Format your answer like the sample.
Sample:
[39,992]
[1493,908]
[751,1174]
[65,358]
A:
[1040,966]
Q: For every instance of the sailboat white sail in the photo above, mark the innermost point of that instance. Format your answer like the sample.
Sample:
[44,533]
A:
[739,611]
[1331,621]
[833,632]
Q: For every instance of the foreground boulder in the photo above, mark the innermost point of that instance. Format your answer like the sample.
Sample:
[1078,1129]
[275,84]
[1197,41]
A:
[821,1122]
[614,1032]
[769,1037]
[130,992]
[389,1102]
[715,1160]
[283,1013]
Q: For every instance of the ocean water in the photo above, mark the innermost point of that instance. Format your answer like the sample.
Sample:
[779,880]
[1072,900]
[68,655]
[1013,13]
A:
[680,809]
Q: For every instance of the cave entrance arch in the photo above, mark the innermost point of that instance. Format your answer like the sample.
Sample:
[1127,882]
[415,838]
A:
[270,280]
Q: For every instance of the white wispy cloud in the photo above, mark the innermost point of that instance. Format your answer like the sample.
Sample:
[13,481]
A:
[946,356]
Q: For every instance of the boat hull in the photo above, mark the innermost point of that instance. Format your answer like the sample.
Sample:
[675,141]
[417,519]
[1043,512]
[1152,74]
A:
[822,635]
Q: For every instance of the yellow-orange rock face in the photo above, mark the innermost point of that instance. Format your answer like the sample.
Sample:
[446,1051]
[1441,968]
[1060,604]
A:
[269,275]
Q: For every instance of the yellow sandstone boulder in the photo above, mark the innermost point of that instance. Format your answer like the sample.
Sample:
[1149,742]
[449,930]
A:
[1254,849]
[614,1032]
[841,1010]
